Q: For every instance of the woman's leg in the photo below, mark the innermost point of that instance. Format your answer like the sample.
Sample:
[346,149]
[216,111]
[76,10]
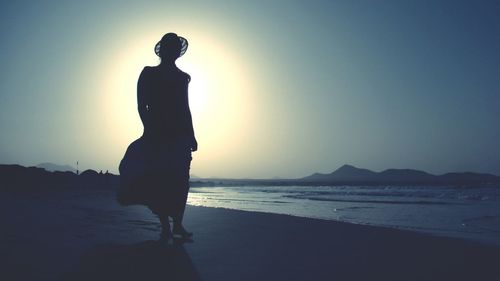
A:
[166,233]
[178,214]
[181,200]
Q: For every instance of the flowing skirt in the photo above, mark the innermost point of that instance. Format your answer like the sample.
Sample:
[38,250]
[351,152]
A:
[156,174]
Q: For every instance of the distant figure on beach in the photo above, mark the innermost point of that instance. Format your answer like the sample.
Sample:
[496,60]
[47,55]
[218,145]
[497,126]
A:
[168,138]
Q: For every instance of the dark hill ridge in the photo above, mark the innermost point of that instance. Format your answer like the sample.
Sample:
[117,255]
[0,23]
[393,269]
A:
[349,174]
[348,171]
[344,173]
[19,178]
[16,177]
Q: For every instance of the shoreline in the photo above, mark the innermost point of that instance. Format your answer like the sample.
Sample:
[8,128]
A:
[447,213]
[86,235]
[395,228]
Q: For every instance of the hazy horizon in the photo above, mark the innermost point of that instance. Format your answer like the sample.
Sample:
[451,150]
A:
[49,166]
[278,90]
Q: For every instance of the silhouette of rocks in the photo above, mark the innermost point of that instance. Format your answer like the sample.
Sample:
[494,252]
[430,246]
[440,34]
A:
[19,178]
[351,175]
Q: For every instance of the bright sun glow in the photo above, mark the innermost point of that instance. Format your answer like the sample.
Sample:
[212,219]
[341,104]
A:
[219,96]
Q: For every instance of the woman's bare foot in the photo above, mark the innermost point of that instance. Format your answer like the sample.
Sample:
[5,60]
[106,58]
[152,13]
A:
[179,230]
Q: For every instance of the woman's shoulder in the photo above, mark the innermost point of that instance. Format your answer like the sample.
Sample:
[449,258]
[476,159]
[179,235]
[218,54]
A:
[151,73]
[150,69]
[185,76]
[182,75]
[147,71]
[176,72]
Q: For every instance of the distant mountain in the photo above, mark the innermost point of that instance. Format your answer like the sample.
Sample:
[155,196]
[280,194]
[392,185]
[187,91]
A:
[16,177]
[51,167]
[344,173]
[348,174]
[468,177]
[405,175]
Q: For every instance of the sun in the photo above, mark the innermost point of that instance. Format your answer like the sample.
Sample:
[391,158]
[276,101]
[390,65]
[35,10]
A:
[219,94]
[198,90]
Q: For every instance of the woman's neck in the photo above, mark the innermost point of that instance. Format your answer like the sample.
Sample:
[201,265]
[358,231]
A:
[168,65]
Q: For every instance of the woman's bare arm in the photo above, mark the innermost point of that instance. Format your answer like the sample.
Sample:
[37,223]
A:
[142,105]
[189,121]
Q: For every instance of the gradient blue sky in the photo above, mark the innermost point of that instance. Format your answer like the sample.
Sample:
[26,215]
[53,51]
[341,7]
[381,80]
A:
[280,88]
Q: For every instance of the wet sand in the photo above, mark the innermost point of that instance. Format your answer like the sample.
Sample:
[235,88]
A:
[86,235]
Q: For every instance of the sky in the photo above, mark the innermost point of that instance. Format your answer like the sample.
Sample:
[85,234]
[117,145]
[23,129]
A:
[279,88]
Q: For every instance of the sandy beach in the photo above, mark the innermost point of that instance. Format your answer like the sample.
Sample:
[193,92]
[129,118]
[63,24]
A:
[86,235]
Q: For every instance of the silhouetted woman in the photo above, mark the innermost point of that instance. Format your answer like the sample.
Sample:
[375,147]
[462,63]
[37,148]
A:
[162,97]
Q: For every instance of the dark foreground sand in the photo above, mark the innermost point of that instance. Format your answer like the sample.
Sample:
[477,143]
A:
[86,236]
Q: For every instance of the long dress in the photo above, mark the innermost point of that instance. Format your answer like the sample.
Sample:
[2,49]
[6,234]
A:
[157,164]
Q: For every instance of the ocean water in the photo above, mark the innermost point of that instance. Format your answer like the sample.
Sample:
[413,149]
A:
[471,213]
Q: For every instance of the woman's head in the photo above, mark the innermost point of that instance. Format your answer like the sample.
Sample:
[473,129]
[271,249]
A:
[171,47]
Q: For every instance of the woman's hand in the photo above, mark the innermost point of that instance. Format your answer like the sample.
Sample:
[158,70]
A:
[194,145]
